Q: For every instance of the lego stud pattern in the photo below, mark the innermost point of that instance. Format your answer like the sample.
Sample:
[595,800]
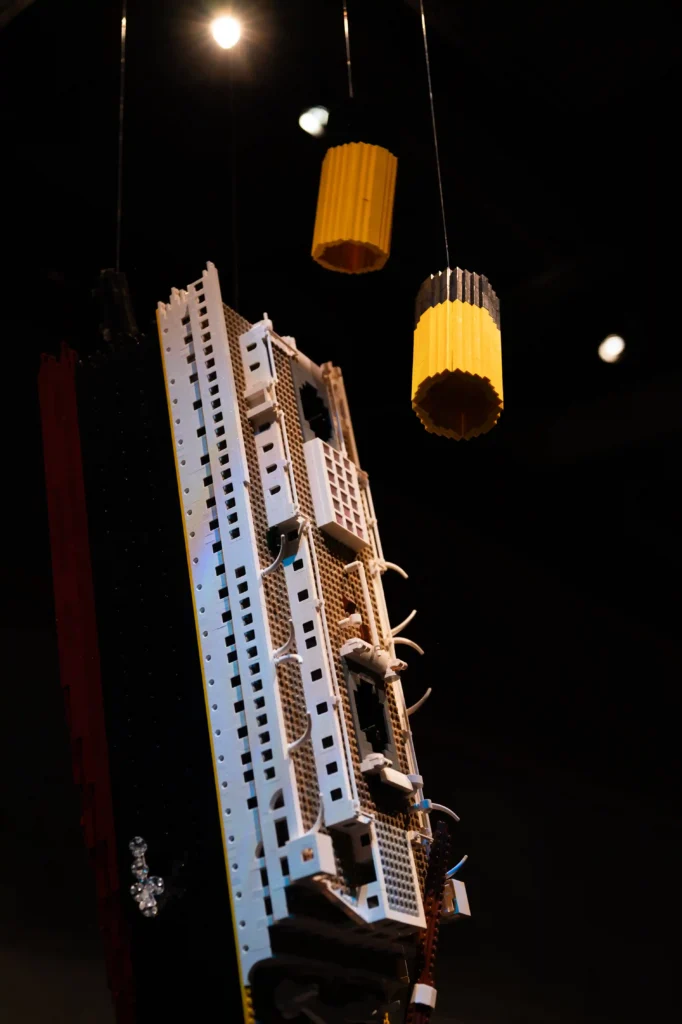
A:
[147,887]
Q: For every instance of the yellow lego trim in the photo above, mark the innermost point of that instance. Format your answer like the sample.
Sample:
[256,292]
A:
[249,1016]
[247,1005]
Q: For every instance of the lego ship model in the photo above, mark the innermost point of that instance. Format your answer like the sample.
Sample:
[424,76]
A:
[325,829]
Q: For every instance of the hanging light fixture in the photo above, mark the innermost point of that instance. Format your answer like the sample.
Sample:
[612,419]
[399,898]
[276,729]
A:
[457,366]
[457,363]
[355,208]
[354,216]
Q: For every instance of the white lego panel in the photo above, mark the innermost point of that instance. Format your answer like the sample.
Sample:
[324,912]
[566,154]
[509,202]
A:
[257,359]
[268,762]
[336,494]
[339,802]
[273,462]
[394,898]
[396,872]
[229,740]
[275,473]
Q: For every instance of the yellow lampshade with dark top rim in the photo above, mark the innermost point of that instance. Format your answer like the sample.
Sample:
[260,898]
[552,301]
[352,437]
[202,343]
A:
[457,367]
[354,217]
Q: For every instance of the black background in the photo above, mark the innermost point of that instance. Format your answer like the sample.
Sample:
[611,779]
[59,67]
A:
[544,558]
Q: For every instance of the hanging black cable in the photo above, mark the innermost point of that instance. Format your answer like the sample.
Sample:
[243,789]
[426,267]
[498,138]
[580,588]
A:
[347,38]
[435,133]
[233,185]
[121,106]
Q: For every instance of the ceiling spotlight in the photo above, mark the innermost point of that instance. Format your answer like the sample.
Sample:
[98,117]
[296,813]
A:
[611,348]
[226,31]
[314,120]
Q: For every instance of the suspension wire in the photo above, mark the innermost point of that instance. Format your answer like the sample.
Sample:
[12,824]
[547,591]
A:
[435,135]
[121,106]
[233,183]
[347,36]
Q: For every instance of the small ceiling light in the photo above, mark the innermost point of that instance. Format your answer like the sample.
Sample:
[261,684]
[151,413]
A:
[611,348]
[314,121]
[226,31]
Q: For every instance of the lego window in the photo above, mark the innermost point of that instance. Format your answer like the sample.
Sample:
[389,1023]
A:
[313,404]
[370,716]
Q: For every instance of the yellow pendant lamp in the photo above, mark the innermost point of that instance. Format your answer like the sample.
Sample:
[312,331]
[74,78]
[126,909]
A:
[355,208]
[354,216]
[457,367]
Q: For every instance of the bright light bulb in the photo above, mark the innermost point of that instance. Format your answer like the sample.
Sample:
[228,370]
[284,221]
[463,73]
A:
[226,31]
[314,120]
[611,348]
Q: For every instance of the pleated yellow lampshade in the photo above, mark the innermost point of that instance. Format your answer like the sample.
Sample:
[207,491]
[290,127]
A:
[457,367]
[355,208]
